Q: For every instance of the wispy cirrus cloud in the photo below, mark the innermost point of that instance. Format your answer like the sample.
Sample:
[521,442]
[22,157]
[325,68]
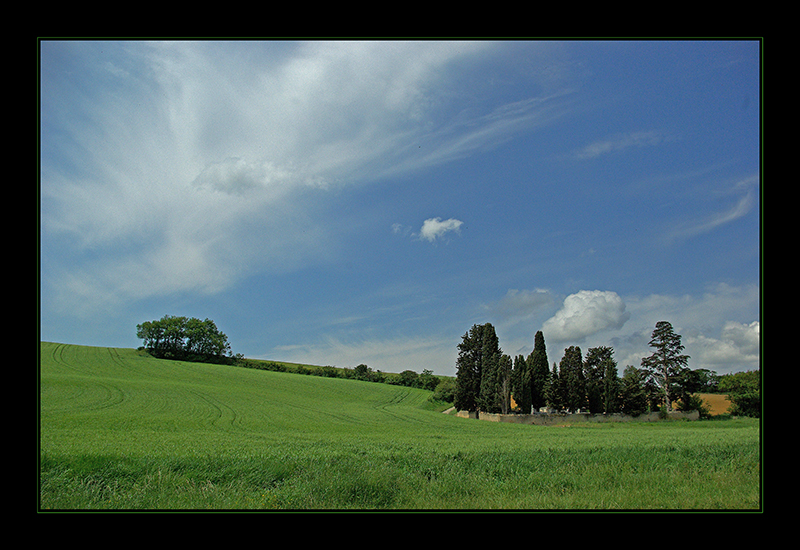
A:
[747,191]
[435,353]
[221,153]
[620,142]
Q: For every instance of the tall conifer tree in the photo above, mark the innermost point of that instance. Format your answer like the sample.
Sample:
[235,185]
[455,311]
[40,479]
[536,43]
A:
[521,383]
[556,391]
[468,369]
[490,370]
[539,372]
[477,370]
[571,368]
[600,370]
[667,363]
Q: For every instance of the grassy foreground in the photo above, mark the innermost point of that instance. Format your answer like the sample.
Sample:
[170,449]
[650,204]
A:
[120,430]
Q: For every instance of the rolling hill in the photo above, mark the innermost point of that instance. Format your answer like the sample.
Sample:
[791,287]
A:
[119,429]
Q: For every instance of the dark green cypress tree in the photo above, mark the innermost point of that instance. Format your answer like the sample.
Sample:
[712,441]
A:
[488,400]
[556,391]
[504,384]
[468,369]
[571,368]
[539,372]
[600,371]
[633,394]
[611,384]
[521,385]
[478,380]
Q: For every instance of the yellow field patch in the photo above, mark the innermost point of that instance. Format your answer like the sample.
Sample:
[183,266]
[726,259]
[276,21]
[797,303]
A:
[717,402]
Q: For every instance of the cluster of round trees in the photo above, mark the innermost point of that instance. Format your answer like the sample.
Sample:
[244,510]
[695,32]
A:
[187,339]
[489,380]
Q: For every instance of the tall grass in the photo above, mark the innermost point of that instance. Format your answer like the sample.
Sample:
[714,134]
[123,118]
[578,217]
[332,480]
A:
[121,430]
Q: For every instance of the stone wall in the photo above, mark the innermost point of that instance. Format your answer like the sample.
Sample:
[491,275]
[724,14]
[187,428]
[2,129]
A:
[547,419]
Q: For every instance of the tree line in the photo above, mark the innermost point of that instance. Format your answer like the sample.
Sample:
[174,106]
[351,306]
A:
[408,378]
[490,381]
[190,339]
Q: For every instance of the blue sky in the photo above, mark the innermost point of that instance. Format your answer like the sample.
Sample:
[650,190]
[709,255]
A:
[351,202]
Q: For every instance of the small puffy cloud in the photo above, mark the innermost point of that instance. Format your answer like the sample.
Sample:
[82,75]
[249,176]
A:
[433,228]
[586,313]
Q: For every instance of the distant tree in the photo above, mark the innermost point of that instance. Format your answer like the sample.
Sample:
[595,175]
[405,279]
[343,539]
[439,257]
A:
[687,386]
[504,384]
[611,386]
[520,384]
[693,402]
[709,380]
[593,374]
[557,390]
[667,363]
[539,372]
[427,381]
[633,395]
[491,377]
[362,372]
[174,333]
[408,378]
[152,332]
[743,390]
[571,369]
[478,353]
[445,390]
[602,383]
[190,339]
[328,371]
[468,370]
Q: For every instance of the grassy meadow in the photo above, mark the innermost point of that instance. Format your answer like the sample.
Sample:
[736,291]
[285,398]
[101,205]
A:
[121,430]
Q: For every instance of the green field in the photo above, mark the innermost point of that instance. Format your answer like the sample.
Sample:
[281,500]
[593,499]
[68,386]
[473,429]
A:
[121,430]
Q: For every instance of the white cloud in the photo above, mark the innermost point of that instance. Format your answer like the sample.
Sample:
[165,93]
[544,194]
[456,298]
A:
[586,313]
[434,228]
[619,142]
[745,189]
[213,152]
[712,339]
[237,176]
[588,318]
[737,348]
[746,337]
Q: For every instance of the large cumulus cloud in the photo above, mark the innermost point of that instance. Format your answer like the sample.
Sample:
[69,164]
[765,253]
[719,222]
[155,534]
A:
[585,313]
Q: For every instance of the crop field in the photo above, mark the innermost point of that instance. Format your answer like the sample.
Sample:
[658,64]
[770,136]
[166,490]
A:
[717,403]
[121,430]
